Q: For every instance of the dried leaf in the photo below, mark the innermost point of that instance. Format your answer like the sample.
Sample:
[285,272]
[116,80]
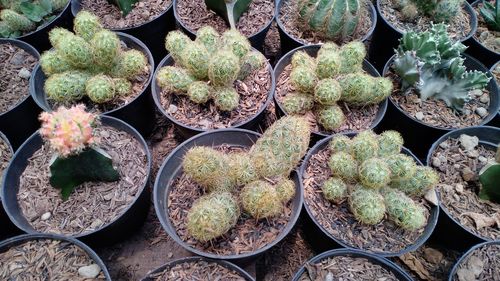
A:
[416,266]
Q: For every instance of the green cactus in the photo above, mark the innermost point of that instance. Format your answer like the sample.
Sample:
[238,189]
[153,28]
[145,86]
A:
[241,170]
[489,177]
[403,210]
[301,58]
[281,147]
[212,215]
[123,87]
[174,79]
[58,4]
[422,180]
[175,43]
[209,37]
[389,143]
[491,14]
[6,31]
[382,89]
[223,68]
[297,103]
[364,146]
[260,200]
[195,59]
[52,63]
[236,42]
[330,117]
[304,79]
[226,98]
[401,166]
[199,92]
[130,64]
[56,34]
[327,92]
[440,10]
[86,25]
[343,166]
[76,51]
[335,19]
[328,62]
[251,62]
[66,86]
[334,190]
[340,143]
[374,173]
[105,48]
[16,21]
[367,205]
[125,5]
[409,12]
[100,89]
[285,189]
[363,89]
[351,57]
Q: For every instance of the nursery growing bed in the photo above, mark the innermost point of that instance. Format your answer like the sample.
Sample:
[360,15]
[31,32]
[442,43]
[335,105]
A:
[481,262]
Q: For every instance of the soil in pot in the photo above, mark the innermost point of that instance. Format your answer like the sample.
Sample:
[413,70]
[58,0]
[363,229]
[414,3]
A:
[5,156]
[483,263]
[194,14]
[459,27]
[458,161]
[487,37]
[196,270]
[52,259]
[93,204]
[112,17]
[288,18]
[16,66]
[248,235]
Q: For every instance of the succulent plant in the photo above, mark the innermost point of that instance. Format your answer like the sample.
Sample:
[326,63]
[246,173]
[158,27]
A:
[340,143]
[100,88]
[374,173]
[389,143]
[344,166]
[422,180]
[328,62]
[327,92]
[330,117]
[439,10]
[489,177]
[334,190]
[301,58]
[352,55]
[55,35]
[251,62]
[241,169]
[175,43]
[229,10]
[174,79]
[199,92]
[226,98]
[212,215]
[66,86]
[491,14]
[403,210]
[52,63]
[206,35]
[106,48]
[401,166]
[285,189]
[261,200]
[298,103]
[367,205]
[224,68]
[303,78]
[364,146]
[125,5]
[86,25]
[359,89]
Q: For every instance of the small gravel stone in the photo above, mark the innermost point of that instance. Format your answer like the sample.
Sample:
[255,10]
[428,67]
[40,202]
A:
[485,98]
[17,59]
[45,216]
[444,145]
[89,271]
[172,109]
[476,93]
[467,174]
[436,162]
[482,159]
[481,111]
[24,73]
[468,142]
[419,115]
[459,188]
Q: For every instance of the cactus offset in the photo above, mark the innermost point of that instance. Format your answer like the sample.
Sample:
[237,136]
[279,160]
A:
[285,189]
[367,205]
[340,143]
[401,166]
[297,103]
[52,63]
[195,59]
[403,211]
[86,25]
[241,170]
[199,92]
[100,88]
[303,78]
[344,166]
[226,98]
[67,86]
[330,117]
[389,143]
[174,79]
[327,92]
[422,180]
[364,146]
[334,190]
[223,68]
[260,200]
[105,48]
[175,43]
[207,36]
[374,173]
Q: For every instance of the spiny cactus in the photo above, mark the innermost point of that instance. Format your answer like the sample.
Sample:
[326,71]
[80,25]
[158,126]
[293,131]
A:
[199,92]
[423,179]
[328,62]
[334,190]
[344,166]
[260,200]
[327,92]
[236,42]
[285,189]
[298,103]
[389,143]
[174,79]
[491,14]
[303,78]
[212,215]
[195,59]
[100,88]
[367,205]
[401,166]
[224,68]
[241,170]
[439,10]
[374,173]
[86,25]
[52,63]
[301,58]
[130,64]
[335,19]
[403,210]
[351,57]
[340,143]
[226,98]
[360,89]
[76,51]
[251,62]
[175,43]
[330,117]
[66,86]
[364,146]
[206,35]
[106,48]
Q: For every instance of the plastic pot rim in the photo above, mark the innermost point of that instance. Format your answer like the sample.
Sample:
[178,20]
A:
[144,49]
[157,99]
[50,236]
[431,222]
[382,106]
[105,119]
[464,256]
[167,225]
[281,26]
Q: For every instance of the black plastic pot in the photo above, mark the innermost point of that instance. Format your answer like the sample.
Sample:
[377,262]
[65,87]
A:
[243,274]
[172,167]
[321,240]
[14,241]
[152,32]
[288,42]
[39,38]
[418,135]
[464,256]
[22,120]
[462,238]
[187,131]
[257,39]
[495,122]
[386,37]
[7,229]
[312,50]
[387,264]
[118,229]
[139,112]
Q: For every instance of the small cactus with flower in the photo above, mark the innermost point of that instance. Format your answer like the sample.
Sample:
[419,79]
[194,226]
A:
[70,134]
[375,178]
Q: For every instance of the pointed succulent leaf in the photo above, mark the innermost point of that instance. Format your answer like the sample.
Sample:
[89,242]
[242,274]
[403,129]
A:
[408,68]
[125,5]
[489,178]
[230,10]
[491,14]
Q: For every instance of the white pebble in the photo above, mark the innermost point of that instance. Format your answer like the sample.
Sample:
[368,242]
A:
[468,142]
[482,159]
[89,271]
[436,162]
[172,109]
[485,98]
[24,73]
[481,111]
[45,216]
[419,115]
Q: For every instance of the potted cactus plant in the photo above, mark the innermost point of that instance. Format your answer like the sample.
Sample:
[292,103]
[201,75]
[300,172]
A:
[436,88]
[82,175]
[303,22]
[108,71]
[480,262]
[198,268]
[58,257]
[218,189]
[29,20]
[334,87]
[215,81]
[495,72]
[368,184]
[468,198]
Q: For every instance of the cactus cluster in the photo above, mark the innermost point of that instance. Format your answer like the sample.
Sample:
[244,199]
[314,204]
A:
[438,10]
[18,17]
[264,183]
[89,63]
[335,75]
[431,64]
[491,14]
[206,68]
[371,173]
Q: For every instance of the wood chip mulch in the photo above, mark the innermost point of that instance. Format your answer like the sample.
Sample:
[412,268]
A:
[15,69]
[483,34]
[44,259]
[253,92]
[458,28]
[111,16]
[198,270]
[248,235]
[458,196]
[340,222]
[93,204]
[288,17]
[5,156]
[194,14]
[482,264]
[356,118]
[350,268]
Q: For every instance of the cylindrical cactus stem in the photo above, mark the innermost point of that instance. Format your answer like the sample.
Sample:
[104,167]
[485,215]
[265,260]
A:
[212,215]
[334,190]
[105,48]
[343,166]
[328,62]
[330,117]
[340,143]
[374,173]
[86,25]
[364,146]
[403,211]
[16,21]
[301,58]
[199,92]
[327,92]
[358,89]
[195,58]
[130,64]
[251,62]
[100,88]
[226,98]
[123,87]
[389,142]
[260,200]
[382,90]
[303,78]
[175,43]
[351,57]
[58,4]
[401,166]
[76,51]
[241,170]
[285,189]
[55,35]
[446,10]
[66,86]
[223,68]
[236,42]
[367,205]
[209,37]
[422,180]
[297,103]
[174,79]
[51,63]
[409,12]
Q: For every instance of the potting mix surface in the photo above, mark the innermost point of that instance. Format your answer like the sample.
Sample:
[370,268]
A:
[93,204]
[357,118]
[486,36]
[16,65]
[459,186]
[5,155]
[47,259]
[196,270]
[482,264]
[194,14]
[253,92]
[111,16]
